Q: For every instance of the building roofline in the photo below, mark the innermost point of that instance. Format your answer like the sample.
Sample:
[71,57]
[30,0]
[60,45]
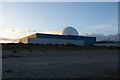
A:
[66,35]
[56,35]
[27,36]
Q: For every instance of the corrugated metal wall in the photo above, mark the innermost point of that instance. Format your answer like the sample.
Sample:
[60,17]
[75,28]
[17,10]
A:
[24,39]
[87,40]
[54,41]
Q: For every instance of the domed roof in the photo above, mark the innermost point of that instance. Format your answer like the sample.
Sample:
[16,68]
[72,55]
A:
[70,31]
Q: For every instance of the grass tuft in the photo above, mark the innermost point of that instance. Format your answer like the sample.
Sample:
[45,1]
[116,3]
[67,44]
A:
[14,51]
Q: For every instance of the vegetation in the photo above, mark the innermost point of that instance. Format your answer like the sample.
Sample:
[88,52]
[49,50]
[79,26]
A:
[100,42]
[9,71]
[43,47]
[14,51]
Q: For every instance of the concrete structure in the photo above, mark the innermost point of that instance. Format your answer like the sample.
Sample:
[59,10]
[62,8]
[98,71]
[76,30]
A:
[70,31]
[69,36]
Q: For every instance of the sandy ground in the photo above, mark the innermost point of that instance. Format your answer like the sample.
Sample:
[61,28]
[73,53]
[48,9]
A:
[60,64]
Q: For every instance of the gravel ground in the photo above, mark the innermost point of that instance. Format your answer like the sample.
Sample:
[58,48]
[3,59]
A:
[60,64]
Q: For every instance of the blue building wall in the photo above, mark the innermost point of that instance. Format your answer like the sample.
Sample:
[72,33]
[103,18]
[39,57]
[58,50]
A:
[87,40]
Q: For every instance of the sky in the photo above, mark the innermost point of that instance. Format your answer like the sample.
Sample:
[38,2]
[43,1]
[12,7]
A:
[21,18]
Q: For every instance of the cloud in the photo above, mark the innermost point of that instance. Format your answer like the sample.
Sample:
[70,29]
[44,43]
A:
[7,40]
[103,26]
[16,33]
[20,31]
[49,32]
[104,37]
[81,34]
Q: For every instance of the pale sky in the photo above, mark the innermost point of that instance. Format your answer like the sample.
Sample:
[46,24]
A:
[86,17]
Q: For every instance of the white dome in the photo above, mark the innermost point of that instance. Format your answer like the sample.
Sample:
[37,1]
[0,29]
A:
[70,31]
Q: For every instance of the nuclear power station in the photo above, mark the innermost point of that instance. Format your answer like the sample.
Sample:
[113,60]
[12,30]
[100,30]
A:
[69,35]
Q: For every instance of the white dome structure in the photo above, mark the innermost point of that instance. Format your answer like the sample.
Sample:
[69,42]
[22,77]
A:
[69,31]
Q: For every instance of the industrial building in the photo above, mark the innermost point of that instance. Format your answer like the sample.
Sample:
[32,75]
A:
[68,36]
